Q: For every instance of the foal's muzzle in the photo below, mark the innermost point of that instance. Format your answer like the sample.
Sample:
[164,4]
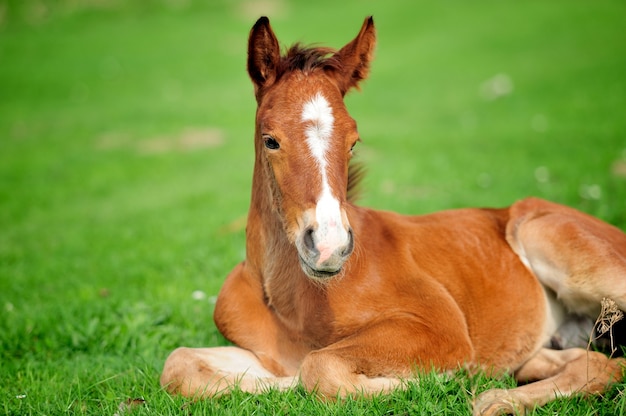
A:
[322,257]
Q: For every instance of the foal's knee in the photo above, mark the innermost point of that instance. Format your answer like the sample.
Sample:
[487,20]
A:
[330,376]
[327,375]
[170,376]
[174,377]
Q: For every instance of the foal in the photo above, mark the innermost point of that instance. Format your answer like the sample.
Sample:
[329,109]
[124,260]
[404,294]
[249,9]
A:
[349,300]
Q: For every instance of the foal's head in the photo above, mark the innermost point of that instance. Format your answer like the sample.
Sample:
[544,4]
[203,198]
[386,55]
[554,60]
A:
[304,139]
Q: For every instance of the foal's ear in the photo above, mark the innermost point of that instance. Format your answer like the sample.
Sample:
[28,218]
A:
[356,56]
[263,54]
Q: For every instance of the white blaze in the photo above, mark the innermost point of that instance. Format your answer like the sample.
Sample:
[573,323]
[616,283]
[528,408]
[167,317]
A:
[330,233]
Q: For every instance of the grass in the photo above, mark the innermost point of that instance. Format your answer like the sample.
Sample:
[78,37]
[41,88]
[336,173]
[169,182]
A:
[126,158]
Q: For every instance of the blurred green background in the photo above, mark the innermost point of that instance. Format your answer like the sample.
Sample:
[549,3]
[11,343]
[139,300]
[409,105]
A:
[126,155]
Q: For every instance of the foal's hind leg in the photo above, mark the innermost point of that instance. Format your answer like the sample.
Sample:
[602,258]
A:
[561,374]
[579,257]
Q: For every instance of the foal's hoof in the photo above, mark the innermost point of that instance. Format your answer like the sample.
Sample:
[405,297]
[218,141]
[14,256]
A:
[497,402]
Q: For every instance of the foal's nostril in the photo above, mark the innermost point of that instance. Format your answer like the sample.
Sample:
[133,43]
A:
[348,250]
[309,243]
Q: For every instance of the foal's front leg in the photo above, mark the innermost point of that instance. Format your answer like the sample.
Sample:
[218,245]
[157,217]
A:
[381,357]
[211,372]
[266,356]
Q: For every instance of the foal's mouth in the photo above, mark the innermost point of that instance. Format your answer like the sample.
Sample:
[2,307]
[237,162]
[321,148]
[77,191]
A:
[317,273]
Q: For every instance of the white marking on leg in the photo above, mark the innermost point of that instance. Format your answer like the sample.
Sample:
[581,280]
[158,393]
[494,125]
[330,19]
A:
[330,233]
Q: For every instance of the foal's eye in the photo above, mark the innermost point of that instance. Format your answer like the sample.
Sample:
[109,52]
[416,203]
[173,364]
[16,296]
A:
[271,143]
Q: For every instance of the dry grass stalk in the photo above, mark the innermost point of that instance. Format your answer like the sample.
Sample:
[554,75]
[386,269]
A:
[610,314]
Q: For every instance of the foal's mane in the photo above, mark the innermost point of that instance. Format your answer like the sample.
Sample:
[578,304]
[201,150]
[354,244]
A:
[356,172]
[307,59]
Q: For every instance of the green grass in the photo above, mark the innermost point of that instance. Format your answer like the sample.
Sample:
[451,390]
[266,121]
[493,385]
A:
[126,158]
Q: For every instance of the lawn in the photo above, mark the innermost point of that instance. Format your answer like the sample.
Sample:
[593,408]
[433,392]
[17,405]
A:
[126,158]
